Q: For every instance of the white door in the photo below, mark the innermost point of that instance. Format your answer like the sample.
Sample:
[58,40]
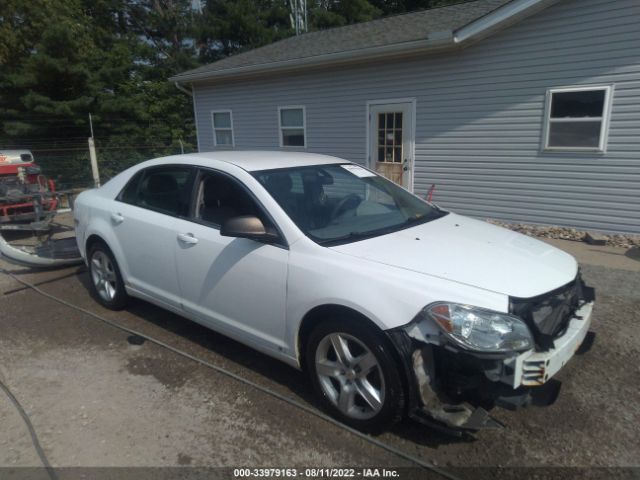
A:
[391,141]
[235,285]
[143,221]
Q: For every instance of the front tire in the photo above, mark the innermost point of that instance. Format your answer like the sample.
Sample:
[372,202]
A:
[105,278]
[355,375]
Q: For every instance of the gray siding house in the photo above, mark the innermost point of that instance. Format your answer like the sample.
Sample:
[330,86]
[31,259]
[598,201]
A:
[521,110]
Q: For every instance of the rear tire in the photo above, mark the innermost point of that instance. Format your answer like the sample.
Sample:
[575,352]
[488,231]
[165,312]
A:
[355,374]
[104,275]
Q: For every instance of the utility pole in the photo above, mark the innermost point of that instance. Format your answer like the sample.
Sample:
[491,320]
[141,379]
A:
[93,157]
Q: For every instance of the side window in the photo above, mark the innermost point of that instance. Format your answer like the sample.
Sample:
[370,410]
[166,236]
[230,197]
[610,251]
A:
[130,191]
[164,189]
[220,198]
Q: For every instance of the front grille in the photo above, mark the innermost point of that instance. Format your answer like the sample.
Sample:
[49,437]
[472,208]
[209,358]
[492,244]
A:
[548,315]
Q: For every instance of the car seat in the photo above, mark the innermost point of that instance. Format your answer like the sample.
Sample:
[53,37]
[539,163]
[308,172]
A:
[218,200]
[162,193]
[280,187]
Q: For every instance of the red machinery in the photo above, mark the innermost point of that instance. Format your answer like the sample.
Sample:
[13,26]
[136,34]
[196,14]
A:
[26,196]
[28,205]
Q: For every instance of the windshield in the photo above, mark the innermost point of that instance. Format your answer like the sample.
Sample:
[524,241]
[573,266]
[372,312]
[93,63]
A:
[340,203]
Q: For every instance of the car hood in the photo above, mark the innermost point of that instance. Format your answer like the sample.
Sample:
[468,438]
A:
[472,252]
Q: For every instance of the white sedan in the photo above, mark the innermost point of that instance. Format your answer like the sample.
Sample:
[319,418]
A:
[392,304]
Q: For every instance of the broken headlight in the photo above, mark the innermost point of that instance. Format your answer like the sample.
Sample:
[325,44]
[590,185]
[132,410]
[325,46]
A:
[479,329]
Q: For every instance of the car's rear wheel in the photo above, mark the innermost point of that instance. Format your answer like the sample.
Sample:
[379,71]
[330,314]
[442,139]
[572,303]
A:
[106,280]
[355,374]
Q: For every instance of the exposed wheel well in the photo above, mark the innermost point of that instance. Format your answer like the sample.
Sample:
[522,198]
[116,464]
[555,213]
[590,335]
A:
[92,240]
[323,312]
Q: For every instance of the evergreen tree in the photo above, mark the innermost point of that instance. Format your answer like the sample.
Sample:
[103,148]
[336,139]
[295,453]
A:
[63,59]
[229,26]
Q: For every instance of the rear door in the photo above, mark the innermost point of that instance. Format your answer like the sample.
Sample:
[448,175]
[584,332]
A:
[235,285]
[144,222]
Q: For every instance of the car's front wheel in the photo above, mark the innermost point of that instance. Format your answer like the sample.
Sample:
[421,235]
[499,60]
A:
[106,281]
[355,374]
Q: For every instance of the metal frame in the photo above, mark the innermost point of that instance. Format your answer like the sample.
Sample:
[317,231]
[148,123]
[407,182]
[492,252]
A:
[605,119]
[213,126]
[195,114]
[304,125]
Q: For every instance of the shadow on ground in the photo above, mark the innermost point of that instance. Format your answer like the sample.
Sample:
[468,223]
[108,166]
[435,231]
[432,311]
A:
[263,365]
[633,253]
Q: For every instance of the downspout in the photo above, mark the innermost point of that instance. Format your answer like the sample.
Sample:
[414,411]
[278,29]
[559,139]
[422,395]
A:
[182,89]
[195,112]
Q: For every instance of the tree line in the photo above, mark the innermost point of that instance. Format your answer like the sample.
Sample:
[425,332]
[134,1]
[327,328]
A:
[61,60]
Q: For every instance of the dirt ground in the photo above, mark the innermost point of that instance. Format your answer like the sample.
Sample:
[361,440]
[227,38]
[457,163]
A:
[98,400]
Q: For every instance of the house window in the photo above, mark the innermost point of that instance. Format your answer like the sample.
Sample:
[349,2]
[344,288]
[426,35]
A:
[292,126]
[222,128]
[390,137]
[577,119]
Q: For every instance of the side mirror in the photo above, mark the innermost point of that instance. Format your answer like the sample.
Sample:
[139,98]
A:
[247,226]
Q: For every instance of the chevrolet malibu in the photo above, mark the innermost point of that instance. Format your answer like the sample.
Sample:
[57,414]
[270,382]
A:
[393,305]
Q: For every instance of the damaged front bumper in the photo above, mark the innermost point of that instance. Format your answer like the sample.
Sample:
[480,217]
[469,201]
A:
[536,368]
[453,389]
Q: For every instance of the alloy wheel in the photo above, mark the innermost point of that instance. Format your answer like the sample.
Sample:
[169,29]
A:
[103,276]
[350,376]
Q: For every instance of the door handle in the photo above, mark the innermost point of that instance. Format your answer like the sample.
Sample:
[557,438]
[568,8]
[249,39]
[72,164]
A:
[117,218]
[187,238]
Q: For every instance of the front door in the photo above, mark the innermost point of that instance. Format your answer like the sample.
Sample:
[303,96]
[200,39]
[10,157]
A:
[391,133]
[236,286]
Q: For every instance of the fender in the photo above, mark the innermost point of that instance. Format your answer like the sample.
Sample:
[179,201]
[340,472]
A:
[389,297]
[103,229]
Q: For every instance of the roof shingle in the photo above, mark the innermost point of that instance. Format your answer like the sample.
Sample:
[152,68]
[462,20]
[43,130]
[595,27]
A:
[392,30]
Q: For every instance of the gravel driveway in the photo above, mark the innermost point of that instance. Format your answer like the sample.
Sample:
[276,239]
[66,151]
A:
[96,399]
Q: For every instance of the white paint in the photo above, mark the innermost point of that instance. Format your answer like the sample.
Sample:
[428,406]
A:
[499,17]
[563,350]
[259,293]
[473,253]
[358,171]
[230,129]
[605,119]
[94,162]
[408,107]
[303,126]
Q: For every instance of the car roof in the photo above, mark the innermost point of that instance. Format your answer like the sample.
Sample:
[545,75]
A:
[251,160]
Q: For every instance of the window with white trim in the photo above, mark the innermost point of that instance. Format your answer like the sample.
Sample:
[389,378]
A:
[222,128]
[292,126]
[577,119]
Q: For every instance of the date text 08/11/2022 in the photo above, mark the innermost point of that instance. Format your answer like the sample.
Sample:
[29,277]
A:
[315,473]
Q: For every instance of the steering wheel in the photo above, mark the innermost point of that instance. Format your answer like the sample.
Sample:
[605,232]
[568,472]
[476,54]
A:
[352,198]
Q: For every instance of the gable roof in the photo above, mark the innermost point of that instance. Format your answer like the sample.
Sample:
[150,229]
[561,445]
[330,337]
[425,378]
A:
[431,29]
